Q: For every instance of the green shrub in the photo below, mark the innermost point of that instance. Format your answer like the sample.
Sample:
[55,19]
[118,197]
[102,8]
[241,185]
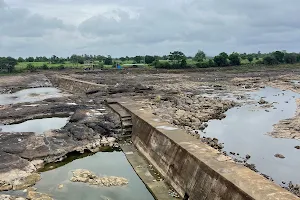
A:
[99,66]
[61,67]
[45,67]
[30,67]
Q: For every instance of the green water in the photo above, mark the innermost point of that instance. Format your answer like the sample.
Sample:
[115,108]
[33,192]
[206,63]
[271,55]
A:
[102,164]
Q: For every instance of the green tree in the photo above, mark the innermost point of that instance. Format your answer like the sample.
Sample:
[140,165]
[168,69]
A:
[200,56]
[20,59]
[149,59]
[243,56]
[7,64]
[270,60]
[30,59]
[250,58]
[108,60]
[177,57]
[234,59]
[137,59]
[279,56]
[290,58]
[221,59]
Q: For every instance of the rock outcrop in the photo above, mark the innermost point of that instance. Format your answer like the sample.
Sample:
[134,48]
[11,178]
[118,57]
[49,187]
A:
[85,176]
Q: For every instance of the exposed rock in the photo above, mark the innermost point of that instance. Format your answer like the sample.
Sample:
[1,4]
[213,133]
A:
[26,181]
[60,186]
[295,189]
[297,147]
[78,115]
[85,176]
[32,195]
[8,197]
[213,142]
[248,157]
[279,156]
[262,101]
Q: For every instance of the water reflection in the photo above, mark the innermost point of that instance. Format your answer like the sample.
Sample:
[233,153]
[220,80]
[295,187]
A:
[29,95]
[38,126]
[244,131]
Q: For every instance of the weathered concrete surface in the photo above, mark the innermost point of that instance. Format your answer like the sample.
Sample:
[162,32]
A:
[75,85]
[194,168]
[158,188]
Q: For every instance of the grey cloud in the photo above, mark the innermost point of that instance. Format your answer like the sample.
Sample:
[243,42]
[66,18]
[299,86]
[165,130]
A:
[154,27]
[16,22]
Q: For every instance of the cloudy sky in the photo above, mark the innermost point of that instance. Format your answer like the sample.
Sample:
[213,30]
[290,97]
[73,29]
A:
[139,27]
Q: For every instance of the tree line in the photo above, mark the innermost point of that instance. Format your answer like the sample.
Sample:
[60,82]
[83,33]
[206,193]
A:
[176,59]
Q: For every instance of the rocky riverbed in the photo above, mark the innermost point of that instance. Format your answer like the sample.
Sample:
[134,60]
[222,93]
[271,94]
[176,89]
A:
[86,176]
[89,128]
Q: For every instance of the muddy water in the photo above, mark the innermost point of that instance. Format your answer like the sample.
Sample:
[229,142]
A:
[29,95]
[102,164]
[38,125]
[245,129]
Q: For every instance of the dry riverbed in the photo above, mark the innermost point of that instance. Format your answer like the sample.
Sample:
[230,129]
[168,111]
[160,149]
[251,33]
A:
[189,100]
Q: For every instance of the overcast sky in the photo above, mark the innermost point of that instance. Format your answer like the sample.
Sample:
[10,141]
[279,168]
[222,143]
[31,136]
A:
[139,27]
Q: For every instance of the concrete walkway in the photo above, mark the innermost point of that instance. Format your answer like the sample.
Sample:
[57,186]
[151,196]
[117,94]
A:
[159,189]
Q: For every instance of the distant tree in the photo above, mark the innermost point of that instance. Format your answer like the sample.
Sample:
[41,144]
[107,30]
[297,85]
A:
[149,59]
[234,59]
[250,58]
[243,56]
[137,59]
[20,59]
[54,59]
[30,59]
[278,55]
[177,57]
[221,59]
[108,60]
[7,64]
[298,57]
[123,59]
[211,63]
[270,60]
[200,56]
[290,58]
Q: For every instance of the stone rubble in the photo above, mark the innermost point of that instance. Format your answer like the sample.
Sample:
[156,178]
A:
[86,176]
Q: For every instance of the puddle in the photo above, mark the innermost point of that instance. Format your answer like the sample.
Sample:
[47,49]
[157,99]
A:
[38,126]
[295,82]
[245,129]
[29,95]
[102,164]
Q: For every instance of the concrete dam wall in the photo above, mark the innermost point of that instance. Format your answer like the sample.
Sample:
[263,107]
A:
[194,169]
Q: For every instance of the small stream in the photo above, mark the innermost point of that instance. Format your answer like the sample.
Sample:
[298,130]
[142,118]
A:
[245,128]
[30,95]
[39,126]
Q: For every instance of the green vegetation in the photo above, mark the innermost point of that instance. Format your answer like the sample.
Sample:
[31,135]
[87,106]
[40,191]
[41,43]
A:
[175,60]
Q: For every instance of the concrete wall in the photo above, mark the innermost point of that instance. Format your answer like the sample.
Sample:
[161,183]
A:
[194,168]
[75,85]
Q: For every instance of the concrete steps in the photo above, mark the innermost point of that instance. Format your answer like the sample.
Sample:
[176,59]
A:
[125,118]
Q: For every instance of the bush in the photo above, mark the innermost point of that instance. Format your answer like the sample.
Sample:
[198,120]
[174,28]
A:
[99,66]
[202,65]
[45,67]
[234,59]
[61,67]
[270,60]
[30,67]
[290,58]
